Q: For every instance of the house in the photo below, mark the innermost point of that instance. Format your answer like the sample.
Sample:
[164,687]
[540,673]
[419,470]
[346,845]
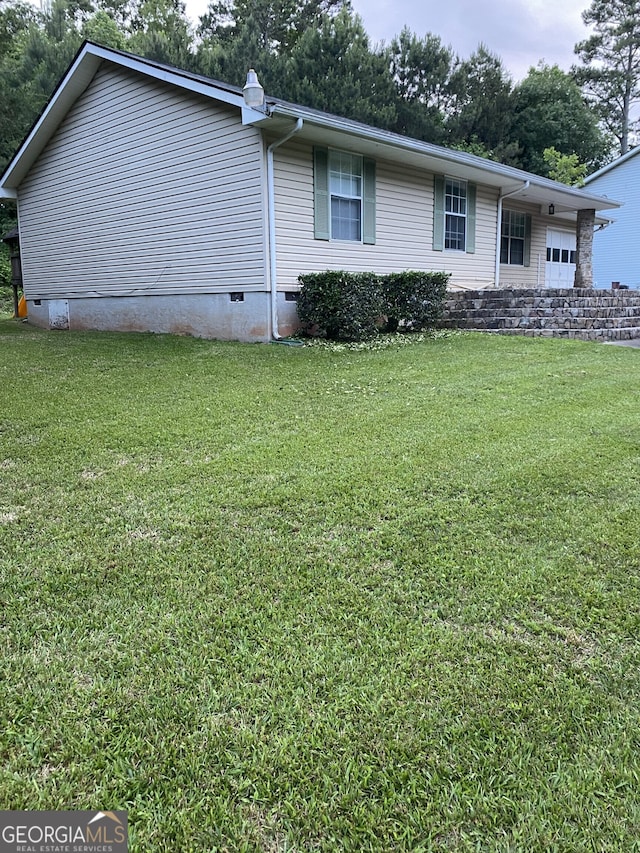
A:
[153,199]
[614,249]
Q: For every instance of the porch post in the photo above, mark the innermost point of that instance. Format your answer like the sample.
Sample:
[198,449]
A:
[584,248]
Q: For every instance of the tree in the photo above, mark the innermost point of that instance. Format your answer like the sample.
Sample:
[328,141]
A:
[611,58]
[334,69]
[550,111]
[278,24]
[102,29]
[15,19]
[228,55]
[421,71]
[481,110]
[565,168]
[162,32]
[40,52]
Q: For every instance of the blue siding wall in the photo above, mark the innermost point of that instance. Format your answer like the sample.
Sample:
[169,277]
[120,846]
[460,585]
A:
[616,249]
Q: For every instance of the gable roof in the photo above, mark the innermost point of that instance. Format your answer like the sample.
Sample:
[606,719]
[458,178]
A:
[614,164]
[279,117]
[79,75]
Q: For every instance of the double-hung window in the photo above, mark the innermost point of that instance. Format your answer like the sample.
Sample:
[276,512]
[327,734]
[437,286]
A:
[455,222]
[515,238]
[454,214]
[345,187]
[344,196]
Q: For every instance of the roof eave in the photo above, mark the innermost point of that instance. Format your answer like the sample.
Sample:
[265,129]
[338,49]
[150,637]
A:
[504,178]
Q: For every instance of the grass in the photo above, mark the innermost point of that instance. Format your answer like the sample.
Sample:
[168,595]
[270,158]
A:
[322,598]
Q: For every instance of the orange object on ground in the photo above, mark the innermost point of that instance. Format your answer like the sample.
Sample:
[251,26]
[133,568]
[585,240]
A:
[22,307]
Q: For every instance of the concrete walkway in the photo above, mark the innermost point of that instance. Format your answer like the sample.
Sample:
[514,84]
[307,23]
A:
[634,342]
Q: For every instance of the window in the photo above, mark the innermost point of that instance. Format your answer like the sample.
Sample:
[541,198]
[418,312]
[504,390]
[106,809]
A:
[513,237]
[454,215]
[455,220]
[345,187]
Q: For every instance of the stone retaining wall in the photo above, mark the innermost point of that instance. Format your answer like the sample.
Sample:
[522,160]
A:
[567,312]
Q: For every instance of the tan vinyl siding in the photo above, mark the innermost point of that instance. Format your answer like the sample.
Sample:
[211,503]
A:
[404,226]
[144,189]
[533,275]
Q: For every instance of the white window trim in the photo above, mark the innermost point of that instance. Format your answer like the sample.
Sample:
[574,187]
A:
[359,198]
[463,216]
[510,237]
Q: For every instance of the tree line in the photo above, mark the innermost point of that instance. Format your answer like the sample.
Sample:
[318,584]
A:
[318,53]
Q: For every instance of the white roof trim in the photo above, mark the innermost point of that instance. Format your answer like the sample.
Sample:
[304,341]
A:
[614,164]
[496,174]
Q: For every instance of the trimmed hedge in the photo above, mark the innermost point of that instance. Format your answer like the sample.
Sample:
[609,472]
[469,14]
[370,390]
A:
[341,306]
[413,300]
[353,306]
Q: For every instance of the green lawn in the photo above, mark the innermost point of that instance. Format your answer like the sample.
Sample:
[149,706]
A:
[341,599]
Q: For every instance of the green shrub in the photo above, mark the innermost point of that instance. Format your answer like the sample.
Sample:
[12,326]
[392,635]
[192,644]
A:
[339,305]
[354,306]
[413,300]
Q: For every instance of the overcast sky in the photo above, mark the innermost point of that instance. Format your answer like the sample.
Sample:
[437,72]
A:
[521,32]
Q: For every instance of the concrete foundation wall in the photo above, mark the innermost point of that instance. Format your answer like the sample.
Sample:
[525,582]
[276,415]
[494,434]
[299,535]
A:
[202,315]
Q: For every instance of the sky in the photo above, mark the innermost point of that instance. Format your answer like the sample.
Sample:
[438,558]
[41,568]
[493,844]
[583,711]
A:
[521,32]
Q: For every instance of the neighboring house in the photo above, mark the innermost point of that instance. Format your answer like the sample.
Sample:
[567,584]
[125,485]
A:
[616,249]
[153,199]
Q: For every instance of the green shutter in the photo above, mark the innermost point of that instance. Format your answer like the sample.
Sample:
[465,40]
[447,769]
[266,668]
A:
[438,213]
[527,240]
[471,219]
[321,194]
[369,201]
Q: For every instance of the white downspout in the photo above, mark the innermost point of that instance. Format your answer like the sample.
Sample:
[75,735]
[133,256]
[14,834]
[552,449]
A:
[271,228]
[521,189]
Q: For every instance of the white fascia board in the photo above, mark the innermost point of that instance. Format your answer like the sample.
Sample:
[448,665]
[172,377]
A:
[506,178]
[74,83]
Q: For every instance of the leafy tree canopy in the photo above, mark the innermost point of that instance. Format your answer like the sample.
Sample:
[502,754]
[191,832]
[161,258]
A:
[565,168]
[550,111]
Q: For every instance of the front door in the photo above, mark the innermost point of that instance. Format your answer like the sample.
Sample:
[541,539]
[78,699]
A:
[560,268]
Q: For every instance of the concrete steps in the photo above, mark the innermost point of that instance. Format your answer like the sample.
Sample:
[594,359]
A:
[567,313]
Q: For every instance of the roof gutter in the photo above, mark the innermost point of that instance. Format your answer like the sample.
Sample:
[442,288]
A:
[271,228]
[501,197]
[378,136]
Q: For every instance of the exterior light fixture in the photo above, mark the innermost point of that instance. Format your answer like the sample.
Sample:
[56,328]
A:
[253,93]
[552,209]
